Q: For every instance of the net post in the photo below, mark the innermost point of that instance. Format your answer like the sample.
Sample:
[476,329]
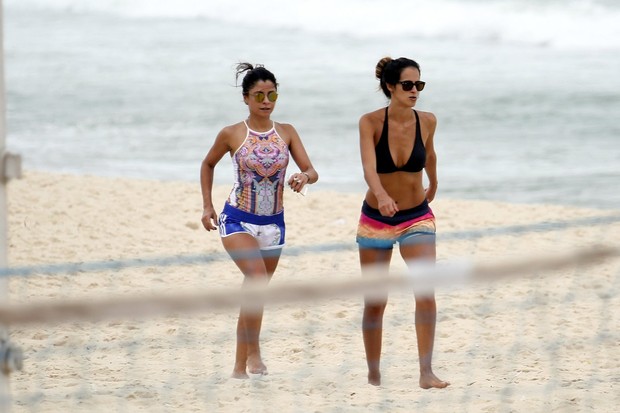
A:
[10,167]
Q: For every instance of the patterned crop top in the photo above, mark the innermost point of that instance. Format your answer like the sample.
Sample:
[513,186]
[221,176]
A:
[385,163]
[259,166]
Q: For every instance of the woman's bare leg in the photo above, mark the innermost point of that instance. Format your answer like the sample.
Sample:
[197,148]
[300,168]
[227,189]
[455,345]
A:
[425,313]
[256,267]
[373,262]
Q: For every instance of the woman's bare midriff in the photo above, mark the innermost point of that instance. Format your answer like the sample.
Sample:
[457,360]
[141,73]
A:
[405,188]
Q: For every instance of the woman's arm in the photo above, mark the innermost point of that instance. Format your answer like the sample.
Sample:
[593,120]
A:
[219,148]
[431,159]
[307,174]
[386,205]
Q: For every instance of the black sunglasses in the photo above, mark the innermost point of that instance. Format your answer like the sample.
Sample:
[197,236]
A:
[408,85]
[259,97]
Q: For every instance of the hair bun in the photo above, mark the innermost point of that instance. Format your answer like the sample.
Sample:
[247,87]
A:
[381,65]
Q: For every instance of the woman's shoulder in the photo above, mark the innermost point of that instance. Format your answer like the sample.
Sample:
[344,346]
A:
[377,115]
[427,116]
[286,130]
[283,125]
[428,120]
[234,129]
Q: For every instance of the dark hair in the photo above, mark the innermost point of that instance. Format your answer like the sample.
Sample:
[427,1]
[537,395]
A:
[255,73]
[388,71]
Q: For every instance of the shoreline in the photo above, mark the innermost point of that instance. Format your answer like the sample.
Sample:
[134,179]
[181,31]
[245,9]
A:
[358,187]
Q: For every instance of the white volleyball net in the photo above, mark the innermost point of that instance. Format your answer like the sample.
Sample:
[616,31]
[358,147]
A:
[528,317]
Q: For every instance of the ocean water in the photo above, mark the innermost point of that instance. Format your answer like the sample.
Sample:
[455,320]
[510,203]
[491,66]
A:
[527,93]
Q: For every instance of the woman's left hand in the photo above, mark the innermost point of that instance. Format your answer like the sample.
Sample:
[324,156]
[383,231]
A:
[298,181]
[430,193]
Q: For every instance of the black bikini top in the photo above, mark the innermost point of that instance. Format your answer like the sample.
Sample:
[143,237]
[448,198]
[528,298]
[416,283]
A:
[385,163]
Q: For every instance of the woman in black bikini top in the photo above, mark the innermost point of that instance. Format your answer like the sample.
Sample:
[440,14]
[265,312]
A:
[396,151]
[385,163]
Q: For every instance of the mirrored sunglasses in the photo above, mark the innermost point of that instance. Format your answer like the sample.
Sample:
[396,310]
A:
[259,97]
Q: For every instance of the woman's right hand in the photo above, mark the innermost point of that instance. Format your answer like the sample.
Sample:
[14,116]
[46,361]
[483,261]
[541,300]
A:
[209,219]
[387,206]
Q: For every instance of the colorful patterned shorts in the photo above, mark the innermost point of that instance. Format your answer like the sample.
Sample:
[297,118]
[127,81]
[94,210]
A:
[411,225]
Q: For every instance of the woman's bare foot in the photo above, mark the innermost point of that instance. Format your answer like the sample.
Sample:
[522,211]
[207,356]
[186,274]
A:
[256,366]
[236,374]
[374,378]
[430,381]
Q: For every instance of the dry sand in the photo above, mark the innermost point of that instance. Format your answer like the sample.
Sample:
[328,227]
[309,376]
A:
[546,343]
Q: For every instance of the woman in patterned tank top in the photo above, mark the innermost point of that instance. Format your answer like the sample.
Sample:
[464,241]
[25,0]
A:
[251,224]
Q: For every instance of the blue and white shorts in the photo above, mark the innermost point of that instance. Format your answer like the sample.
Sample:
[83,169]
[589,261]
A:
[268,230]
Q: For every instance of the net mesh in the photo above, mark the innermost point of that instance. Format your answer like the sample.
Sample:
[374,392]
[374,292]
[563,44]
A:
[546,340]
[539,340]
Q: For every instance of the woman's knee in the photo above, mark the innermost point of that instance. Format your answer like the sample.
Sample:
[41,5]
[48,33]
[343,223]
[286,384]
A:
[374,311]
[425,303]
